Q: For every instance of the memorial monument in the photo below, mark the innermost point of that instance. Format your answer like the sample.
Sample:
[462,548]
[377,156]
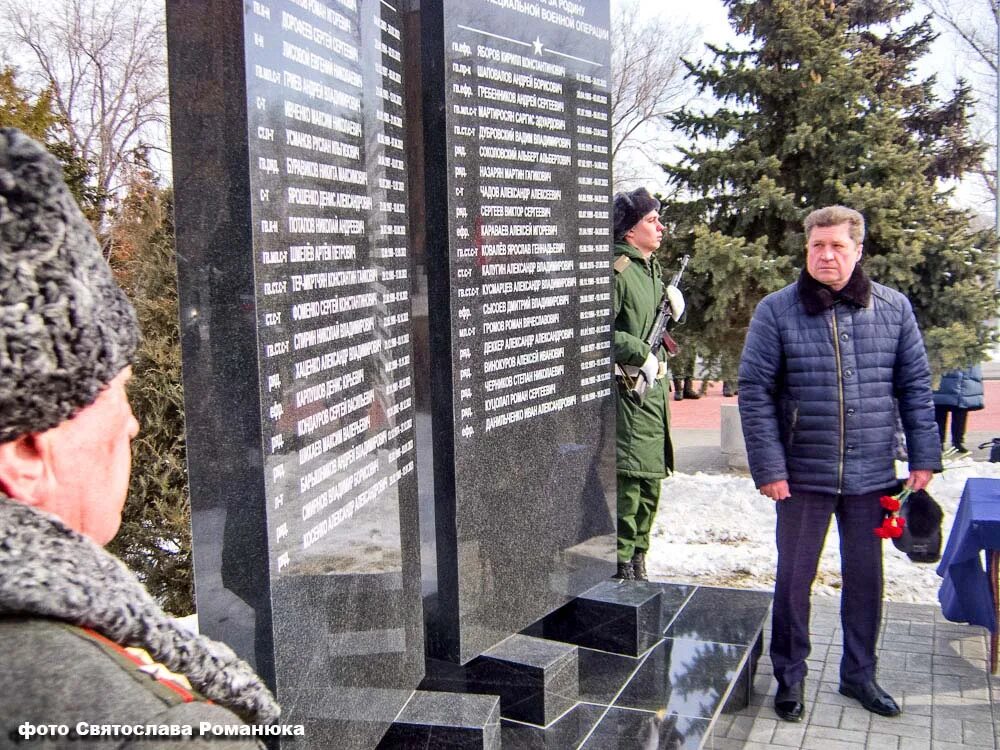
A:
[293,260]
[516,377]
[393,225]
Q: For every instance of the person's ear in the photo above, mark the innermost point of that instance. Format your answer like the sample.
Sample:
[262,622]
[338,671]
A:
[22,467]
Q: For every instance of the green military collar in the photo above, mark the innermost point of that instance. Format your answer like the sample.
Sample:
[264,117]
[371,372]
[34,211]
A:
[634,254]
[623,248]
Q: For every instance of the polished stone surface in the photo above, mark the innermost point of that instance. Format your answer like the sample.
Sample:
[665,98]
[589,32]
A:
[624,618]
[669,696]
[446,720]
[571,729]
[674,597]
[604,674]
[537,680]
[627,730]
[721,614]
[742,689]
[690,678]
[293,270]
[512,311]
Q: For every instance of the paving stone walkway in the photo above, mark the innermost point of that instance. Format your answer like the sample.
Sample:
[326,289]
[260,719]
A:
[936,670]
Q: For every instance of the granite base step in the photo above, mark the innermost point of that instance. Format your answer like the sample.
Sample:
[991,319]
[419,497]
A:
[622,617]
[455,721]
[646,664]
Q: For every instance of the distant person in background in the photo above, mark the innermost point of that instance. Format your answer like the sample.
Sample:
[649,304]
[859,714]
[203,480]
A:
[960,392]
[81,640]
[682,370]
[644,452]
[826,361]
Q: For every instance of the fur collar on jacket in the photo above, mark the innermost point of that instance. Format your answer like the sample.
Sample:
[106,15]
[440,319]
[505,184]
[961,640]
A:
[48,570]
[817,297]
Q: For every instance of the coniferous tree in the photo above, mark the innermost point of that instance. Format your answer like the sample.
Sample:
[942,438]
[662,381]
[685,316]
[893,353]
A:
[36,116]
[821,107]
[155,535]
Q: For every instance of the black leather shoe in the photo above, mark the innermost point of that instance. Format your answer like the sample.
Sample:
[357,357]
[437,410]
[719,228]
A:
[871,697]
[789,703]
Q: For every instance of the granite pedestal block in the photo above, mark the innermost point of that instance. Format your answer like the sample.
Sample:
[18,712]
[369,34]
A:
[733,446]
[671,694]
[739,698]
[446,721]
[617,616]
[537,680]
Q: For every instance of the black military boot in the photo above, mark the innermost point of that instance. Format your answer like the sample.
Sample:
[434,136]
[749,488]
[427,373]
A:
[689,391]
[678,389]
[729,389]
[639,566]
[625,572]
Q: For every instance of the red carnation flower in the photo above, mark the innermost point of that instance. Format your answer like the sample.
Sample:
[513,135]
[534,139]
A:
[890,503]
[893,524]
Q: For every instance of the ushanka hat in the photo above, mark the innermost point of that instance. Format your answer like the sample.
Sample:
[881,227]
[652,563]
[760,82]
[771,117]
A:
[630,208]
[66,328]
[921,537]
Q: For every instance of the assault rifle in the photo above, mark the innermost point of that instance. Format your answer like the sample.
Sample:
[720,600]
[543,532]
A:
[669,311]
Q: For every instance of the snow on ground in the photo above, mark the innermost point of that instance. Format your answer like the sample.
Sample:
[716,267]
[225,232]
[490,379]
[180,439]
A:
[717,529]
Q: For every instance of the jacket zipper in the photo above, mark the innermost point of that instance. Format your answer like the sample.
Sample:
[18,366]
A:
[840,399]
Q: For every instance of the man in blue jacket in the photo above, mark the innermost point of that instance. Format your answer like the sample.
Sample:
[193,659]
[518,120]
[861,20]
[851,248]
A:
[827,363]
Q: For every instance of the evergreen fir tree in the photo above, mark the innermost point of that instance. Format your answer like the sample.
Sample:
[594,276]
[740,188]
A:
[155,535]
[36,116]
[822,107]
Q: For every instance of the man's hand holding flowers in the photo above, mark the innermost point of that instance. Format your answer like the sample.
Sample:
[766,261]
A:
[893,524]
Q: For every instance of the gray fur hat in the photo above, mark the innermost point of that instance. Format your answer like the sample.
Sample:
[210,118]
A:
[66,328]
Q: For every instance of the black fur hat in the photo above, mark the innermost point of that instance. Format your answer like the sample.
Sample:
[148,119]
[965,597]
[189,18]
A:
[921,538]
[66,328]
[630,208]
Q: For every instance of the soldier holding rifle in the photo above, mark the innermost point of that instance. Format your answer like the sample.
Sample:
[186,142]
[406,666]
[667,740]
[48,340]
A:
[641,306]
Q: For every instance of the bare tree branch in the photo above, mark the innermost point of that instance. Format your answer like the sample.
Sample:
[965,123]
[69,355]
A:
[973,24]
[648,79]
[105,61]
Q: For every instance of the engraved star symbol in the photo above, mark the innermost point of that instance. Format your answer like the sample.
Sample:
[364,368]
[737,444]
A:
[538,45]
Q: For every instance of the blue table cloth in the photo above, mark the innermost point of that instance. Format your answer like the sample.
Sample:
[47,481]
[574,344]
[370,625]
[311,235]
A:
[965,593]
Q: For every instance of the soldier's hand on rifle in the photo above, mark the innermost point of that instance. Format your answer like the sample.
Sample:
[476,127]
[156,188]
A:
[650,368]
[676,300]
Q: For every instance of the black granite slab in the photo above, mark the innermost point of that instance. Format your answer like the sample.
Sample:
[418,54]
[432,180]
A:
[512,315]
[294,277]
[626,730]
[674,597]
[721,614]
[446,720]
[685,677]
[568,731]
[537,680]
[742,689]
[603,674]
[668,697]
[623,617]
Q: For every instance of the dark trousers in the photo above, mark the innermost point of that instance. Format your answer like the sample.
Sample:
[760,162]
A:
[803,520]
[959,417]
